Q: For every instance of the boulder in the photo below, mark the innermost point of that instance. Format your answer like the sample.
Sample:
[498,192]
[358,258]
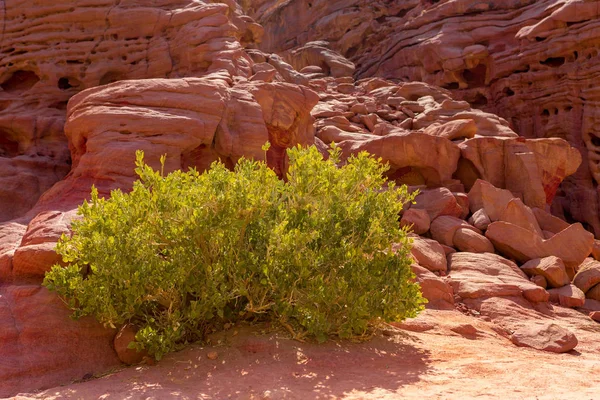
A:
[437,202]
[484,195]
[519,214]
[438,293]
[123,338]
[552,268]
[489,275]
[443,229]
[594,293]
[567,296]
[466,239]
[539,280]
[588,275]
[457,129]
[547,337]
[572,245]
[429,254]
[417,219]
[549,222]
[480,219]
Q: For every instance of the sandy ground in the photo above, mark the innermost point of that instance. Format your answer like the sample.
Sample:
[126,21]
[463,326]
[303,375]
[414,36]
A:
[398,364]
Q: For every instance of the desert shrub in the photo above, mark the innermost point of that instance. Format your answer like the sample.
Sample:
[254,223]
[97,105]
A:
[186,252]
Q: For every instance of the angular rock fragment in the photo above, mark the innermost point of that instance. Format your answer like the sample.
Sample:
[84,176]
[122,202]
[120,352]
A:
[547,337]
[567,296]
[417,219]
[429,254]
[588,275]
[468,240]
[552,268]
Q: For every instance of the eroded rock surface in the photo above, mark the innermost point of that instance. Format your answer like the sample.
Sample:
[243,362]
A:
[533,62]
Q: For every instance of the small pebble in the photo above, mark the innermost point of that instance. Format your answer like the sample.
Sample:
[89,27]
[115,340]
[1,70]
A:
[213,355]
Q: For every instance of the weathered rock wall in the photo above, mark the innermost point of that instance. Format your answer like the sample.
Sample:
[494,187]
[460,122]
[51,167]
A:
[50,51]
[533,62]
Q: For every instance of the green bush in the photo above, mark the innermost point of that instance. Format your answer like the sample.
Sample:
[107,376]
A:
[187,252]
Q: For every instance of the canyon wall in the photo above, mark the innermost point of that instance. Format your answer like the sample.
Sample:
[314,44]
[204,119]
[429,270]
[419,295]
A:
[532,62]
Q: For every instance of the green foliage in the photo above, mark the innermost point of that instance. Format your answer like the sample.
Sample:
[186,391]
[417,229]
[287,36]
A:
[186,252]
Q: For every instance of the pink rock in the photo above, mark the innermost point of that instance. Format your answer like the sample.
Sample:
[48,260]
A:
[595,315]
[519,214]
[549,222]
[429,254]
[438,293]
[433,159]
[596,250]
[567,296]
[594,293]
[492,200]
[480,219]
[547,337]
[443,229]
[463,201]
[571,245]
[588,275]
[489,275]
[552,268]
[458,129]
[437,202]
[539,280]
[123,338]
[466,239]
[417,219]
[41,341]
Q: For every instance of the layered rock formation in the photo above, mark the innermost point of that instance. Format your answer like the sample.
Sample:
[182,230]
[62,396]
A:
[531,62]
[184,78]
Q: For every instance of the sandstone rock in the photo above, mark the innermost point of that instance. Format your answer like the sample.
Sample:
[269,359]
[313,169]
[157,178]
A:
[594,293]
[596,250]
[417,219]
[489,275]
[317,53]
[552,268]
[438,293]
[514,70]
[429,254]
[433,159]
[458,129]
[123,338]
[549,222]
[41,69]
[571,245]
[448,250]
[547,337]
[595,315]
[41,341]
[480,219]
[438,201]
[539,280]
[443,229]
[588,275]
[519,214]
[530,169]
[466,239]
[492,200]
[463,201]
[567,296]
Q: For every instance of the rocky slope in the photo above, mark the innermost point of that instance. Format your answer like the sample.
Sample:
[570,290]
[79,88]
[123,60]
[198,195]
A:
[187,79]
[532,62]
